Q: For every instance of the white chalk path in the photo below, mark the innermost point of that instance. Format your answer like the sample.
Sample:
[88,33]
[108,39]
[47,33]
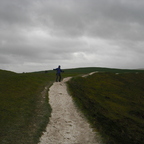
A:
[67,125]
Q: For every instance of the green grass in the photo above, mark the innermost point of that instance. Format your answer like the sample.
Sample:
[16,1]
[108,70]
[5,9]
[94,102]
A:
[86,70]
[114,104]
[24,107]
[24,110]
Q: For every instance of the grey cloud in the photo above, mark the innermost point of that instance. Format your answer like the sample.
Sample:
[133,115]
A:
[60,18]
[106,19]
[14,13]
[4,59]
[36,33]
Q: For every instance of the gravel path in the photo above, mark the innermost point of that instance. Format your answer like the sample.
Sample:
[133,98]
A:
[67,125]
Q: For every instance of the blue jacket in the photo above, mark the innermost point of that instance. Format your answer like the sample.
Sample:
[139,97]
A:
[58,70]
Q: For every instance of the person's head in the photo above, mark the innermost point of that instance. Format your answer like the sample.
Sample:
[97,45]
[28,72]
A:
[59,66]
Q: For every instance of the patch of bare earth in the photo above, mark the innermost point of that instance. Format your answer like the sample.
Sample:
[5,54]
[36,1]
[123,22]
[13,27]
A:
[67,125]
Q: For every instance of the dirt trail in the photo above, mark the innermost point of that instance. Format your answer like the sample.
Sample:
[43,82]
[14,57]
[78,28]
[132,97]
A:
[67,125]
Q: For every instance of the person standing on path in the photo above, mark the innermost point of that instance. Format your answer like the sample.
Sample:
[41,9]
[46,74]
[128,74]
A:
[58,73]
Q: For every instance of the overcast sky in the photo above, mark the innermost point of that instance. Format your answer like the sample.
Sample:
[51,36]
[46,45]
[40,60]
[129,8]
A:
[42,34]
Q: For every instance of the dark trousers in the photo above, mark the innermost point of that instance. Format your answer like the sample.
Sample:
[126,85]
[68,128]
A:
[58,77]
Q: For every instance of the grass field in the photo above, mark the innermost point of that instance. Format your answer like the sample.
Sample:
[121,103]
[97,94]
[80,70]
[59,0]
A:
[24,108]
[113,103]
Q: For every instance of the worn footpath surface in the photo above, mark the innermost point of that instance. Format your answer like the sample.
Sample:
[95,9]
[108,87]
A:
[67,125]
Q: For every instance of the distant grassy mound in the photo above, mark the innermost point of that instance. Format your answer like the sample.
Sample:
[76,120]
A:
[113,103]
[85,70]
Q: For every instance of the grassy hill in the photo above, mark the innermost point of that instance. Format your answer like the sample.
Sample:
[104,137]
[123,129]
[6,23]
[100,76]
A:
[113,103]
[24,111]
[24,108]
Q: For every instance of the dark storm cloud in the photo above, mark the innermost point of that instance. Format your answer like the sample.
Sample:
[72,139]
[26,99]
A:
[108,19]
[39,34]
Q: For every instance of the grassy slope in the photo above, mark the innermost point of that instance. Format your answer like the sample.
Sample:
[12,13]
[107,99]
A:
[24,111]
[113,103]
